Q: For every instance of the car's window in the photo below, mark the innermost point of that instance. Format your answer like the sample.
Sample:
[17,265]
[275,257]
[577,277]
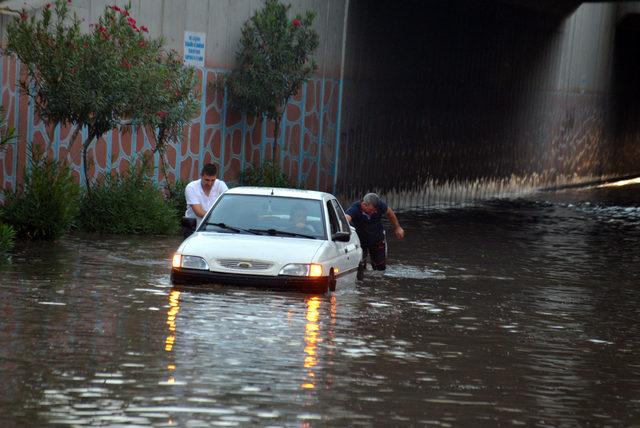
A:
[337,219]
[344,224]
[262,213]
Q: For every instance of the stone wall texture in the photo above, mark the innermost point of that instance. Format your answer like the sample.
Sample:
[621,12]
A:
[308,134]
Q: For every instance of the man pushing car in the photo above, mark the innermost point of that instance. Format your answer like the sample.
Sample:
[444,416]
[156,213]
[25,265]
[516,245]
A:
[200,195]
[366,217]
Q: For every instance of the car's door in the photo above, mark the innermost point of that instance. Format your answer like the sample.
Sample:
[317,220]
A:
[346,252]
[352,249]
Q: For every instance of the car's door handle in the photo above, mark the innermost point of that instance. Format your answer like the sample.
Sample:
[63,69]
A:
[350,247]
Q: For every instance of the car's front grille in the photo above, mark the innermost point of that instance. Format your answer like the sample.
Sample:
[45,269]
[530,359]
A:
[244,264]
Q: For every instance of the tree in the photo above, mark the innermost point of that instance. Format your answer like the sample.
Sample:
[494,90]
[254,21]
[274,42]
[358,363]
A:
[173,107]
[110,76]
[273,61]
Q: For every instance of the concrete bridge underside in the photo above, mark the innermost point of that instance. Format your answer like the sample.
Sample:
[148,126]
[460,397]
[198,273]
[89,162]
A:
[448,101]
[554,7]
[427,101]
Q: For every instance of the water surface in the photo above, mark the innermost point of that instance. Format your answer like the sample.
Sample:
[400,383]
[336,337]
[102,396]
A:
[511,312]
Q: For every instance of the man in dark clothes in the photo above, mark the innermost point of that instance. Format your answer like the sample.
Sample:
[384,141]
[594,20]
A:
[366,217]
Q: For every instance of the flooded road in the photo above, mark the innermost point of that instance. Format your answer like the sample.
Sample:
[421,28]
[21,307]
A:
[512,312]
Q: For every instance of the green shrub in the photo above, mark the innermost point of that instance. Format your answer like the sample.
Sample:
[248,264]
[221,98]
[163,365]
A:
[7,235]
[128,204]
[46,205]
[176,198]
[7,133]
[267,174]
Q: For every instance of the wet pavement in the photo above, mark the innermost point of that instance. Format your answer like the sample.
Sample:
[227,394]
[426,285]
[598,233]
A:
[512,312]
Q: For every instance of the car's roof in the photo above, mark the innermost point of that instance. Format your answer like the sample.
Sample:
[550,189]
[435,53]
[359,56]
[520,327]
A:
[278,191]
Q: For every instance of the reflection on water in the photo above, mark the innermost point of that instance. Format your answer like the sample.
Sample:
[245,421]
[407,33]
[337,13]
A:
[621,183]
[512,312]
[172,315]
[311,341]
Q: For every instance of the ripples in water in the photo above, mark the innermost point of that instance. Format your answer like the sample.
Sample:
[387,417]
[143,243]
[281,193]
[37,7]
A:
[519,312]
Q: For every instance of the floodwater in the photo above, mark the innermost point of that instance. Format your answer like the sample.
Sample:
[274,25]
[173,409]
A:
[518,312]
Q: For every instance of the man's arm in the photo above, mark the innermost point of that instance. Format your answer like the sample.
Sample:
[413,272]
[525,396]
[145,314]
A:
[193,201]
[397,229]
[348,217]
[198,210]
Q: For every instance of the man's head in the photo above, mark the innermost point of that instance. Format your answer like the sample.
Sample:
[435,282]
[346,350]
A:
[208,176]
[370,203]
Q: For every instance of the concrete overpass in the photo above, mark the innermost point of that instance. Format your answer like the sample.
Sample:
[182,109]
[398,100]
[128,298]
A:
[504,96]
[559,7]
[555,7]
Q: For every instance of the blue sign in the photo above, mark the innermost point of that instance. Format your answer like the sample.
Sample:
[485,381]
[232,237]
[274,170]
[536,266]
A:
[194,45]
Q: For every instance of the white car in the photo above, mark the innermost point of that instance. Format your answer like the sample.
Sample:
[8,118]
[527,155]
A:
[271,237]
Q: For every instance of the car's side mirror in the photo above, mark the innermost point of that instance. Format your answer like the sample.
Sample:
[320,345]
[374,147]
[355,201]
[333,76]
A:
[341,236]
[188,222]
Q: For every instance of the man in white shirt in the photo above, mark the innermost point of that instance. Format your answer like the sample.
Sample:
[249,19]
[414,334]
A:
[201,194]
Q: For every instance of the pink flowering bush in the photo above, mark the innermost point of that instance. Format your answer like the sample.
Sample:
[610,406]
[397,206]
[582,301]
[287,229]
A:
[110,76]
[273,61]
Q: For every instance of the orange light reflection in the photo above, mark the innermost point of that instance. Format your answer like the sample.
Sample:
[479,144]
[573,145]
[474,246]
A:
[311,340]
[172,316]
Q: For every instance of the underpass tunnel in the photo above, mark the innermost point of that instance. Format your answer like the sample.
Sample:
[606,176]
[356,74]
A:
[438,89]
[473,92]
[625,118]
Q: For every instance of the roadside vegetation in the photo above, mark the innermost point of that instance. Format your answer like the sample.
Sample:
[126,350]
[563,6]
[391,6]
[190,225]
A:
[273,60]
[46,204]
[7,235]
[128,203]
[50,203]
[176,198]
[112,77]
[267,174]
[115,76]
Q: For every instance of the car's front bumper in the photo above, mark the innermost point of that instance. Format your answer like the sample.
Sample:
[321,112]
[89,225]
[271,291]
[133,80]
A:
[203,279]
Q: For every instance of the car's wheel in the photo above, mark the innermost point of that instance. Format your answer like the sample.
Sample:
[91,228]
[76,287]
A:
[360,274]
[332,280]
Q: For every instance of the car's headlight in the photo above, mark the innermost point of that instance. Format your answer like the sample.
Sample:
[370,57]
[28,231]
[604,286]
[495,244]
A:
[299,269]
[189,262]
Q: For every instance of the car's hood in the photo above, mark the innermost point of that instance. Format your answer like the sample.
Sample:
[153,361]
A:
[223,251]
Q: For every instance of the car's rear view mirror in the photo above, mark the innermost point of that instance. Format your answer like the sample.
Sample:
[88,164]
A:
[341,236]
[188,222]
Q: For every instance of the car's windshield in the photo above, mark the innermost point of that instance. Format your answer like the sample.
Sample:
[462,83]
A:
[268,215]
